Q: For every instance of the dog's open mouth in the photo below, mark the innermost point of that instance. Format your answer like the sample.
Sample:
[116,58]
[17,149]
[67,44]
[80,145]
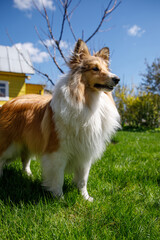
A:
[101,86]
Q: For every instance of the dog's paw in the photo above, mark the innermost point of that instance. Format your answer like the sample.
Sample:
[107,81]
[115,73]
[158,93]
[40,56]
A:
[28,172]
[57,195]
[90,199]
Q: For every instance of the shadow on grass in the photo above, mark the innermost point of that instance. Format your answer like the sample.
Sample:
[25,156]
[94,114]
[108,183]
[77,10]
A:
[16,187]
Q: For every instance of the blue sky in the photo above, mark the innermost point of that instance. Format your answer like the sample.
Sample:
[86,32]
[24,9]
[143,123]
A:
[131,32]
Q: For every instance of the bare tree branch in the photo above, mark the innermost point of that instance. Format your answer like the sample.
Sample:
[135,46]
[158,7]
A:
[70,26]
[68,19]
[38,9]
[49,52]
[66,15]
[107,11]
[51,35]
[65,6]
[67,9]
[73,9]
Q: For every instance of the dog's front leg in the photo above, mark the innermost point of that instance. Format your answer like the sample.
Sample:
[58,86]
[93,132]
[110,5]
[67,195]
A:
[25,158]
[53,166]
[81,178]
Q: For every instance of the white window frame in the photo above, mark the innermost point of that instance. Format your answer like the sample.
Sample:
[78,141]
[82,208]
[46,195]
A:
[6,98]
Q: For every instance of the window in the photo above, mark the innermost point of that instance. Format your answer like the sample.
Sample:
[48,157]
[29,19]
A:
[4,93]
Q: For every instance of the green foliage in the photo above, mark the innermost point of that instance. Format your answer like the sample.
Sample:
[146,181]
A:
[124,184]
[138,109]
[151,79]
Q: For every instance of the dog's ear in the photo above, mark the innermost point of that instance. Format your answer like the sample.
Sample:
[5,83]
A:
[80,52]
[103,53]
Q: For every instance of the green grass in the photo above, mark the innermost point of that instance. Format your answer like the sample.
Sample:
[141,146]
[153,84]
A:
[125,185]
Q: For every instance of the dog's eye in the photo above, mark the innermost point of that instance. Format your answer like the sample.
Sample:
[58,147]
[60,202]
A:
[96,69]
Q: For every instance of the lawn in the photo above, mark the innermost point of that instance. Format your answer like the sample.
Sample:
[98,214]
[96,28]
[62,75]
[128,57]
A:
[125,185]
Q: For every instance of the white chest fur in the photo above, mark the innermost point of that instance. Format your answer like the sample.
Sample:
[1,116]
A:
[83,131]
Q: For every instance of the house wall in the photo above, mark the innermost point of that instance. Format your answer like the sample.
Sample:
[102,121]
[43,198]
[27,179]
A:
[34,89]
[16,84]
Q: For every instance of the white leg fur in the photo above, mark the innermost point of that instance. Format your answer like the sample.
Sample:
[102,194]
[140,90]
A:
[26,166]
[81,178]
[53,166]
[25,158]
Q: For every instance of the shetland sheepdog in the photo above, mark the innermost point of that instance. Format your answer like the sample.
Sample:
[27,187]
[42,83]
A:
[70,129]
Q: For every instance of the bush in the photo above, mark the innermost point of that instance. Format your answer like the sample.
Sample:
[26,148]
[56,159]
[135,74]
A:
[138,109]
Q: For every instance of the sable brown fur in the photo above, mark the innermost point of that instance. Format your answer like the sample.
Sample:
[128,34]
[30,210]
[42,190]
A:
[34,126]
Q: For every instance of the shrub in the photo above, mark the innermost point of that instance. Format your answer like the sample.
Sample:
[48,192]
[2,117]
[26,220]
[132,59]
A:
[138,109]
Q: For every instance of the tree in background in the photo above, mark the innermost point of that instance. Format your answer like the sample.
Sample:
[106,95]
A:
[151,79]
[53,43]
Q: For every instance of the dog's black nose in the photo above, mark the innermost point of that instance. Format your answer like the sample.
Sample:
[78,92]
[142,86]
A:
[116,79]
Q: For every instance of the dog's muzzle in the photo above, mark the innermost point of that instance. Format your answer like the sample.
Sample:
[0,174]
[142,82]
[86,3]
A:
[116,80]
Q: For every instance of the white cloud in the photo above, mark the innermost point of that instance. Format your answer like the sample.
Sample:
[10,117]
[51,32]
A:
[135,31]
[36,55]
[63,44]
[29,4]
[50,43]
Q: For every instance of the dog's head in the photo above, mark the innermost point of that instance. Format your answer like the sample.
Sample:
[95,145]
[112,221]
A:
[94,69]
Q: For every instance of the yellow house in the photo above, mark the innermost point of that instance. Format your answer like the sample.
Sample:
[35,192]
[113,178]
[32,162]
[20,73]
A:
[14,70]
